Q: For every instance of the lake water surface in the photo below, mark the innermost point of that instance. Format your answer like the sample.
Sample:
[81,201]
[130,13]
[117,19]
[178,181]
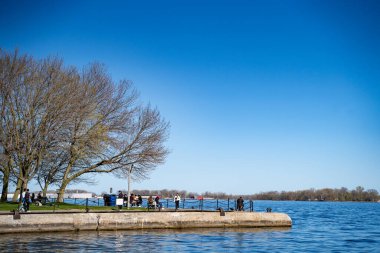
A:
[317,227]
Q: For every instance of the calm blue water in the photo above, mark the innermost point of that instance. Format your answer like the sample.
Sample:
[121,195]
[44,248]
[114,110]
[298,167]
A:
[317,227]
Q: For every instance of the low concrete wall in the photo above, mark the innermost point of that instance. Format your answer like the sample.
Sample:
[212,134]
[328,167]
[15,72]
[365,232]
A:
[138,220]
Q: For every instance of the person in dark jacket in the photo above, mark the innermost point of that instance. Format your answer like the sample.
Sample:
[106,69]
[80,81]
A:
[140,201]
[27,200]
[158,204]
[240,204]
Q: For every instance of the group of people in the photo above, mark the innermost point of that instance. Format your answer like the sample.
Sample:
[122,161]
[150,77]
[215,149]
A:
[134,200]
[28,198]
[154,203]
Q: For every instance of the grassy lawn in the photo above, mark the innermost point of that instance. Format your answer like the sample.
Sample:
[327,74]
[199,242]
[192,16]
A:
[63,206]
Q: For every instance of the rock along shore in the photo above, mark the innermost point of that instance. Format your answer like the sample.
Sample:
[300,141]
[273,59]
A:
[51,222]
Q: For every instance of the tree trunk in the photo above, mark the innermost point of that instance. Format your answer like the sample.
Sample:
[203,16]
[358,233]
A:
[17,191]
[44,190]
[6,175]
[61,191]
[4,192]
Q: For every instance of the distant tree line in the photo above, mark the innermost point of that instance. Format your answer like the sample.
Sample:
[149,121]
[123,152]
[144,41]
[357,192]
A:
[62,125]
[326,194]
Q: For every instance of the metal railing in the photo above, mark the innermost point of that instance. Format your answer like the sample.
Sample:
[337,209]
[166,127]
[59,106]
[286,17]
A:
[186,203]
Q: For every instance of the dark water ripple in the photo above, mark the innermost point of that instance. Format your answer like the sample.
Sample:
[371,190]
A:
[317,227]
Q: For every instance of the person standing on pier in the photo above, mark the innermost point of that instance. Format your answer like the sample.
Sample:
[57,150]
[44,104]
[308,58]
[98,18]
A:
[177,198]
[240,204]
[27,200]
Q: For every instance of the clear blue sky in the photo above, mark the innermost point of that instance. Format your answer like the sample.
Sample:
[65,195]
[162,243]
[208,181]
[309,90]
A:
[261,95]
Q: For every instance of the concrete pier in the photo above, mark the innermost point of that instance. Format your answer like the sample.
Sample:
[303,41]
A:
[49,222]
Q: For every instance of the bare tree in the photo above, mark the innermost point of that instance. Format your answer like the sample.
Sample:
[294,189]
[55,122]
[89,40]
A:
[34,111]
[60,125]
[13,72]
[110,132]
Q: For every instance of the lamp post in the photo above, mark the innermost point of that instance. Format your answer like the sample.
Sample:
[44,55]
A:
[129,185]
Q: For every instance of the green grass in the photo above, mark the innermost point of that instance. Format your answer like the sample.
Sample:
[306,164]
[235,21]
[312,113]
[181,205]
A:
[6,206]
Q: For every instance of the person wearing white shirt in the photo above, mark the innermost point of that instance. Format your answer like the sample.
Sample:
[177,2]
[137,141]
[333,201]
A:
[177,198]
